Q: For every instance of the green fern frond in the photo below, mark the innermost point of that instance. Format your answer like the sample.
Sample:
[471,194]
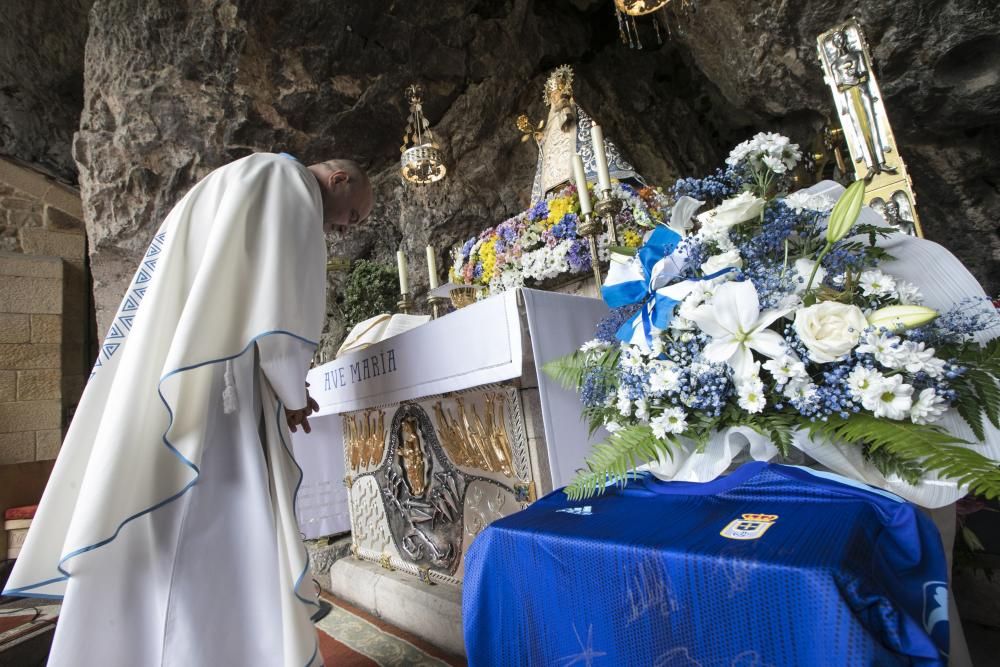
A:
[889,464]
[780,427]
[567,371]
[927,446]
[988,393]
[611,461]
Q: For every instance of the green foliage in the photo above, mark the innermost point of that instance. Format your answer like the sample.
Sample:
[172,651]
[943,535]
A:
[780,427]
[372,289]
[978,389]
[611,461]
[927,447]
[567,371]
[890,464]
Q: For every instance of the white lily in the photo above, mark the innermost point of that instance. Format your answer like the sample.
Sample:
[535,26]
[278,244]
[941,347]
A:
[736,325]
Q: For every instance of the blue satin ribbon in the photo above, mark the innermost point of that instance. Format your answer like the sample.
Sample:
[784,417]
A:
[656,310]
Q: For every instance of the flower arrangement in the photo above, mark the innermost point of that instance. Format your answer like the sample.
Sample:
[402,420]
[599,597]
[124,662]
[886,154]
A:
[542,243]
[778,319]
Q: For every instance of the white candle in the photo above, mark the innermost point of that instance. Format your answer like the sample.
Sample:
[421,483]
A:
[432,266]
[581,184]
[603,177]
[404,280]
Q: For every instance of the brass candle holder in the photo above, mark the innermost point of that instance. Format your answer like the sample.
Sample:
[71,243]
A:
[438,306]
[607,208]
[405,304]
[589,227]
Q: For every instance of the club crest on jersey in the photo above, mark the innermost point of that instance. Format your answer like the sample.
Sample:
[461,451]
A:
[936,611]
[750,527]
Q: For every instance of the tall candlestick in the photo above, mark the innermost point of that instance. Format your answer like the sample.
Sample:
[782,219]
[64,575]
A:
[404,279]
[603,177]
[432,266]
[581,184]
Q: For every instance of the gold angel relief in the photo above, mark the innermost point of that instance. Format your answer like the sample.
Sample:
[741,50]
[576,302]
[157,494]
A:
[477,442]
[365,438]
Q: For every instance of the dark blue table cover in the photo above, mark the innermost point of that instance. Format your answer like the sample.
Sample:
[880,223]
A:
[671,574]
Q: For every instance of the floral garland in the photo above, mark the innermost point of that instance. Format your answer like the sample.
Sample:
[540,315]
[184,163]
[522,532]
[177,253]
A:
[542,243]
[775,315]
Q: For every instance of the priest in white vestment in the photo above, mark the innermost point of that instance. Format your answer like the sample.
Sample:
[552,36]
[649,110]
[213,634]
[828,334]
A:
[168,526]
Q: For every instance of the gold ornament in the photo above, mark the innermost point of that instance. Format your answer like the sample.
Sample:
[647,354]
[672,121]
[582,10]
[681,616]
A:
[640,7]
[422,160]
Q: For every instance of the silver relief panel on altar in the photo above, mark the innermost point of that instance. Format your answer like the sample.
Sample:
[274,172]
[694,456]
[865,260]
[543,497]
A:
[448,467]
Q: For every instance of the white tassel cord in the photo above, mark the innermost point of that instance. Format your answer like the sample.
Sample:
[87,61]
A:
[230,402]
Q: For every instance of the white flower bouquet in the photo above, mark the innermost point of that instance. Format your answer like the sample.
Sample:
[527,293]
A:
[785,323]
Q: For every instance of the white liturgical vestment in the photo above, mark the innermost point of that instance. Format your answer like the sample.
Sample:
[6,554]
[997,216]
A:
[168,525]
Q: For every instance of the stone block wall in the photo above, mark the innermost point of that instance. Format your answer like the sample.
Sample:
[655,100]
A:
[46,330]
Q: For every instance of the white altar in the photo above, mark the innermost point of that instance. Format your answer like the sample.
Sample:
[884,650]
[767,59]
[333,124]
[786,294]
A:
[423,439]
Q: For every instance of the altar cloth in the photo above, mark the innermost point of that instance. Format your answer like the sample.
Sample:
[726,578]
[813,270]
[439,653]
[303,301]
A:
[772,565]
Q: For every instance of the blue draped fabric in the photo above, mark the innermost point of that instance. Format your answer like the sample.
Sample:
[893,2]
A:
[772,565]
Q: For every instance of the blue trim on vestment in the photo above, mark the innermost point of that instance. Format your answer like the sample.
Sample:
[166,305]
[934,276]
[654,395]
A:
[24,591]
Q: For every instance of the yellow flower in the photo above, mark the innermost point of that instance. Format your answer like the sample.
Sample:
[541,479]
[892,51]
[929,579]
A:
[558,208]
[632,239]
[488,256]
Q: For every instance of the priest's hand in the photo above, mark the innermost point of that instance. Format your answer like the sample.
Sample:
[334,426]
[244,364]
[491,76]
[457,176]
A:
[300,417]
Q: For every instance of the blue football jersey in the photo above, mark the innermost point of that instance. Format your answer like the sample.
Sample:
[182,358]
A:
[771,565]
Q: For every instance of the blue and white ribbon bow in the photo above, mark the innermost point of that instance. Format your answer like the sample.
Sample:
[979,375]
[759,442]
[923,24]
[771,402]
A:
[644,279]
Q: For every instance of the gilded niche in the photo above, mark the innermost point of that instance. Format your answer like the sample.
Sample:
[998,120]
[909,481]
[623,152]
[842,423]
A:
[480,441]
[365,438]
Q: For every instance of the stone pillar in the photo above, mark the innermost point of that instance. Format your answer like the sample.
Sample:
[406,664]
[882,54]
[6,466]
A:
[46,330]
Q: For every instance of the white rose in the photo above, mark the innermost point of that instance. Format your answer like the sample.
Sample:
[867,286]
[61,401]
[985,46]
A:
[733,211]
[829,329]
[719,262]
[803,269]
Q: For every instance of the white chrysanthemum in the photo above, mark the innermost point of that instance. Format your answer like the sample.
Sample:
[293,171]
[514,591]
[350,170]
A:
[909,294]
[893,399]
[934,367]
[928,408]
[642,410]
[914,357]
[663,377]
[801,200]
[885,348]
[800,390]
[877,283]
[594,346]
[863,380]
[624,404]
[631,357]
[678,323]
[657,347]
[671,420]
[785,368]
[612,427]
[751,395]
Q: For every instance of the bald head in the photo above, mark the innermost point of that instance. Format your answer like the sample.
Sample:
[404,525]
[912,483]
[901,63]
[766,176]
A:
[347,193]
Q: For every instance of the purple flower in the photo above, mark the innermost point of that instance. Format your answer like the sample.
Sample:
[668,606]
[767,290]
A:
[579,256]
[539,211]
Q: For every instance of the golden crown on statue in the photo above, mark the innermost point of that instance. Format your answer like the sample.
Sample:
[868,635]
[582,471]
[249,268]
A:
[560,80]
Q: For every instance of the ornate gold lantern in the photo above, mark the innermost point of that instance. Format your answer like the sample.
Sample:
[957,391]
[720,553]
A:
[640,7]
[422,160]
[628,10]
